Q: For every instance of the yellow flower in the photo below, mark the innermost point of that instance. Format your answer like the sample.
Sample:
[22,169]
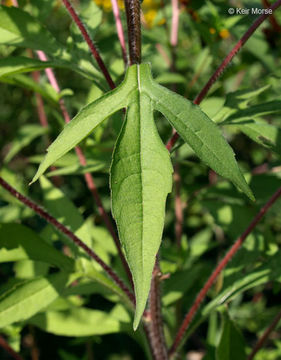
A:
[212,31]
[150,9]
[106,4]
[224,34]
[8,2]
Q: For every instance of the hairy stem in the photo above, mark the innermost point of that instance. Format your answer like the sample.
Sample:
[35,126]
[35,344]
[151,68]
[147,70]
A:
[64,230]
[119,29]
[233,250]
[226,62]
[134,30]
[89,41]
[156,326]
[88,176]
[265,336]
[9,350]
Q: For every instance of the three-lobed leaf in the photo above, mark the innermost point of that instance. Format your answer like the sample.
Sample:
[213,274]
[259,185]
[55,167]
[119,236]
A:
[141,169]
[141,178]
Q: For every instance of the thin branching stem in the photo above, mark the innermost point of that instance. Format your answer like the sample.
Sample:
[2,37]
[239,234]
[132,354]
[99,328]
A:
[265,336]
[90,42]
[225,63]
[88,176]
[134,30]
[120,31]
[9,350]
[233,250]
[64,230]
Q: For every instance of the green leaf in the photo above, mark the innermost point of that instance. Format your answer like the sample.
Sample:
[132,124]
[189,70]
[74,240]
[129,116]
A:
[199,132]
[26,82]
[27,298]
[141,178]
[261,132]
[13,65]
[79,322]
[271,107]
[25,135]
[84,123]
[20,243]
[232,344]
[19,28]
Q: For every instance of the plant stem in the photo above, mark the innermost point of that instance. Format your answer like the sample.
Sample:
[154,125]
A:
[120,31]
[156,326]
[178,204]
[225,62]
[265,336]
[9,350]
[175,23]
[88,176]
[235,247]
[60,227]
[89,41]
[134,30]
[274,23]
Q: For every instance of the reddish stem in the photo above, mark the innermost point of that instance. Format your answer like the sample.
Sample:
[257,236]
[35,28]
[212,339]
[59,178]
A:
[225,62]
[89,41]
[40,104]
[88,177]
[178,206]
[156,326]
[265,336]
[235,247]
[9,350]
[120,31]
[275,26]
[60,227]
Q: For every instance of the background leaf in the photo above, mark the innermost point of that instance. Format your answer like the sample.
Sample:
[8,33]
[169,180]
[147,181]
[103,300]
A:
[27,298]
[20,243]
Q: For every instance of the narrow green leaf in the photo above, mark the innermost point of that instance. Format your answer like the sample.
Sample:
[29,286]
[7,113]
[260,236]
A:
[267,108]
[18,242]
[261,132]
[197,130]
[84,123]
[13,65]
[141,178]
[19,28]
[78,322]
[25,135]
[232,344]
[26,82]
[27,298]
